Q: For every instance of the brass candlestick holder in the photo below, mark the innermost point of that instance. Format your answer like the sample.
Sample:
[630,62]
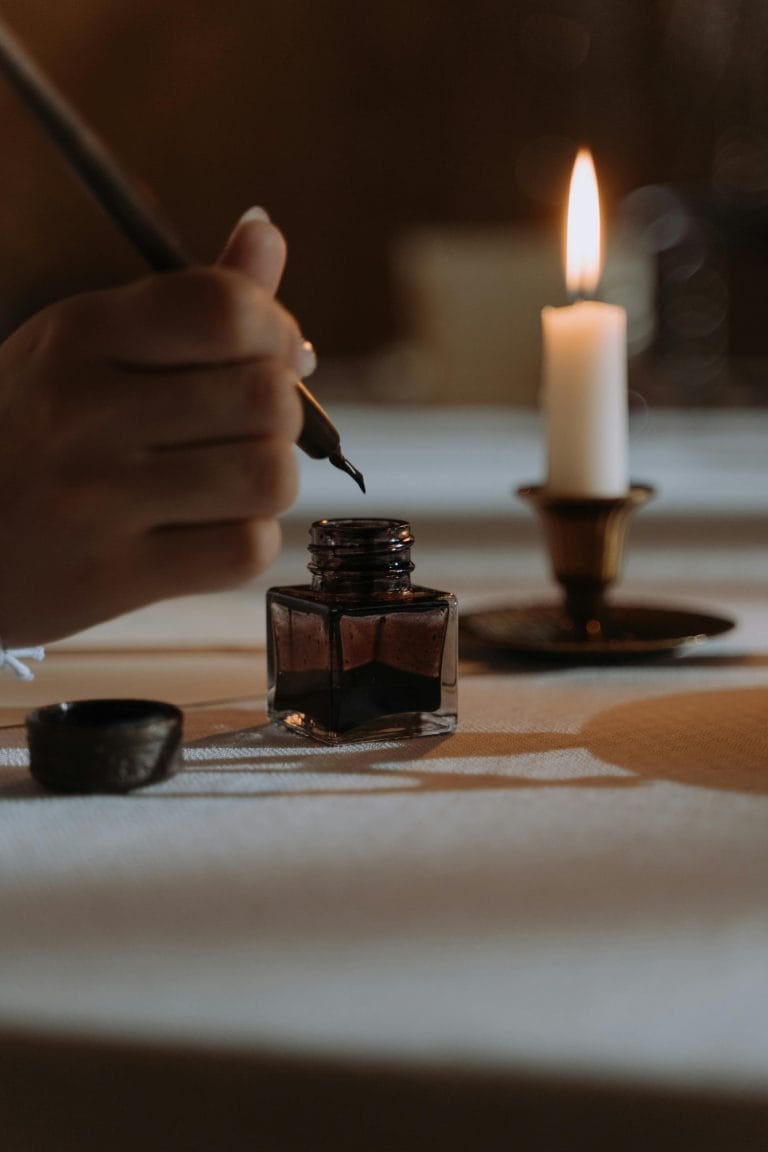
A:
[585,536]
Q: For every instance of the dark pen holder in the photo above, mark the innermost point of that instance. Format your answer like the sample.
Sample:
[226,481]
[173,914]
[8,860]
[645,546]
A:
[585,538]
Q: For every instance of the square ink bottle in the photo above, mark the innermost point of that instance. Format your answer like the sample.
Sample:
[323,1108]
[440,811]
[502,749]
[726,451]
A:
[361,653]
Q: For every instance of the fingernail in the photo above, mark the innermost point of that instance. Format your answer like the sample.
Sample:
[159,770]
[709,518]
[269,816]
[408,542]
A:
[307,359]
[255,213]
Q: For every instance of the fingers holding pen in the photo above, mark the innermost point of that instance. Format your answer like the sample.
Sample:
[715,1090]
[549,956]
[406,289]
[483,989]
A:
[257,248]
[200,316]
[201,445]
[206,484]
[204,558]
[161,408]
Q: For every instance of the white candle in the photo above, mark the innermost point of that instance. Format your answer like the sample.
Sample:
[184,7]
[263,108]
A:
[584,393]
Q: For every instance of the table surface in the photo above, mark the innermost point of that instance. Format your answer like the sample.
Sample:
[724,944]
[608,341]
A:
[573,887]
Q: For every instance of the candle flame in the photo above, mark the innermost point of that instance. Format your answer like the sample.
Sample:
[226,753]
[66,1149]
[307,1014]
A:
[583,257]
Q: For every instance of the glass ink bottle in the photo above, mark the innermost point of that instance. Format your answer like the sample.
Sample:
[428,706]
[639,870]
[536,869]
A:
[361,653]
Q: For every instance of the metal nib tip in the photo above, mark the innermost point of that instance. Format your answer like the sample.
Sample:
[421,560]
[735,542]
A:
[342,463]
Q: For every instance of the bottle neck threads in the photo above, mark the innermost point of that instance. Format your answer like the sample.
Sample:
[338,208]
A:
[356,557]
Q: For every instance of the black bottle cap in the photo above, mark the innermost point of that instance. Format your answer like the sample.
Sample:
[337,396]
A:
[102,745]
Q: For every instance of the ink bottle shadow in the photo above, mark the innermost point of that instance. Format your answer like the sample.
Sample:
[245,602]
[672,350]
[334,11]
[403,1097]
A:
[361,653]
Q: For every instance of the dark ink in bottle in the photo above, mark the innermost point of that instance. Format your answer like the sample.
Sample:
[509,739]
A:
[362,653]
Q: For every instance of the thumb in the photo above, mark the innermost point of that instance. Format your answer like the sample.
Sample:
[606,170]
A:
[257,248]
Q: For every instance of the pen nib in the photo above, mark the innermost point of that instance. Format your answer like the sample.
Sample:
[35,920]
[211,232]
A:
[341,462]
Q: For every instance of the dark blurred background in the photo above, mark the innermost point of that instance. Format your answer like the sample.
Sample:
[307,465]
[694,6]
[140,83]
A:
[357,125]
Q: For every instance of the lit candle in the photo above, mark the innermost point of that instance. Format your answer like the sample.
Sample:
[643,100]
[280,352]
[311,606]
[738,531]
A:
[584,393]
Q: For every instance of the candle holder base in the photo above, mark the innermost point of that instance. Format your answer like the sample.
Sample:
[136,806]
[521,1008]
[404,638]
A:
[585,538]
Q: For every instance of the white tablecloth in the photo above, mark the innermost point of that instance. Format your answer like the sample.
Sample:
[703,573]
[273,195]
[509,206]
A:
[569,893]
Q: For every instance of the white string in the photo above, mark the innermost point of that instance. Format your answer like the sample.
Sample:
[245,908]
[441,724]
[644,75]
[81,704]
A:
[12,658]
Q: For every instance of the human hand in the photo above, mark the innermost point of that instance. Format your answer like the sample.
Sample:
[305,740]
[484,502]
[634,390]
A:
[147,441]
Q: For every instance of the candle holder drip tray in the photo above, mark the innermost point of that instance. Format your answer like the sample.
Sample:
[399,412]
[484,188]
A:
[625,631]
